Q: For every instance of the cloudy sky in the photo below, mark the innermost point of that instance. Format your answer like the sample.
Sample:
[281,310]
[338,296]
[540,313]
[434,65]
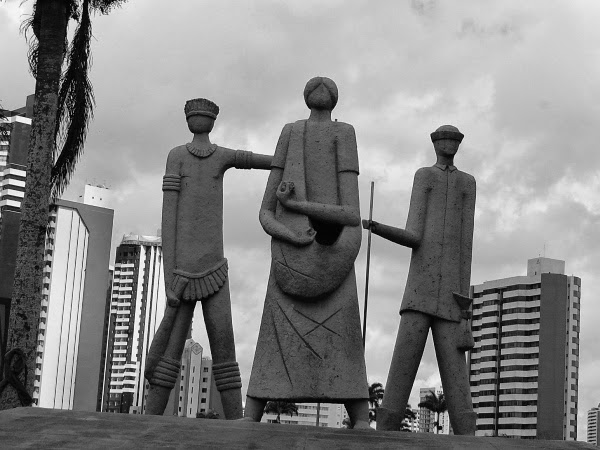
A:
[519,79]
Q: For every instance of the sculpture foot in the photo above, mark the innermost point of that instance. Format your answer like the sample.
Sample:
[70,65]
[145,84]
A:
[389,420]
[465,423]
[362,425]
[229,384]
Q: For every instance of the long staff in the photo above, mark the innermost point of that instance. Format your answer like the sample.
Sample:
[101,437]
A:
[368,267]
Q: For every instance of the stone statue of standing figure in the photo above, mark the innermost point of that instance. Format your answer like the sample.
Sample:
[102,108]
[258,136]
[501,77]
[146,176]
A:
[439,229]
[195,268]
[309,347]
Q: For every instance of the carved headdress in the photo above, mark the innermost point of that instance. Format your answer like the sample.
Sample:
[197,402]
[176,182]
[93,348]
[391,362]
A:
[201,106]
[447,132]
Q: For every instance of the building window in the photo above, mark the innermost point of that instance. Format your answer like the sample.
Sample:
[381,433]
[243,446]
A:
[205,369]
[203,390]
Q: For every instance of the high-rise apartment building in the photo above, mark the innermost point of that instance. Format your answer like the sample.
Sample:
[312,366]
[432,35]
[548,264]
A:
[524,368]
[72,309]
[593,422]
[138,302]
[14,143]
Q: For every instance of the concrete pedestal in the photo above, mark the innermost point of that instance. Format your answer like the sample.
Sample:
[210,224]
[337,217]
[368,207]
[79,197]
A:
[40,428]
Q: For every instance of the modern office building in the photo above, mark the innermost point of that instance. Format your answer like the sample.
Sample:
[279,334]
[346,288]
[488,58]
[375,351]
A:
[14,143]
[72,309]
[593,422]
[524,368]
[137,306]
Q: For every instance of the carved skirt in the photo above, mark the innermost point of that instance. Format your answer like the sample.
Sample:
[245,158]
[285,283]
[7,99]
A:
[310,351]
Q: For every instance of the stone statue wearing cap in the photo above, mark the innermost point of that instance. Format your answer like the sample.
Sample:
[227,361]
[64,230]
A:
[439,229]
[195,268]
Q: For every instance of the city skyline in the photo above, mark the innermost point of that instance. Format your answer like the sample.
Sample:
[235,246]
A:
[524,96]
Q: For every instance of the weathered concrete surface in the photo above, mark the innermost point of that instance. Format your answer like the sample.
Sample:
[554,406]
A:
[41,428]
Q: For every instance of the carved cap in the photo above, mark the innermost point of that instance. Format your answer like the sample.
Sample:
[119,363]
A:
[447,132]
[201,106]
[329,84]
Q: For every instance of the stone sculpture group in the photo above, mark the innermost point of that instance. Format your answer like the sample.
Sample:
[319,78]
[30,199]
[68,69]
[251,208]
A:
[309,346]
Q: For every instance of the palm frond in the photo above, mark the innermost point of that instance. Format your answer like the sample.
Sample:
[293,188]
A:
[105,6]
[76,103]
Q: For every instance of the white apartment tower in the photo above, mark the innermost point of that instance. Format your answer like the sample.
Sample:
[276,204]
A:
[593,422]
[524,368]
[60,316]
[137,306]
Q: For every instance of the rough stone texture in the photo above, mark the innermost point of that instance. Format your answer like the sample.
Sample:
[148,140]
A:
[310,346]
[39,428]
[439,229]
[194,261]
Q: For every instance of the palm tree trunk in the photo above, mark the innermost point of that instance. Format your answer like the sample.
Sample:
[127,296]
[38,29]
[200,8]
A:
[27,293]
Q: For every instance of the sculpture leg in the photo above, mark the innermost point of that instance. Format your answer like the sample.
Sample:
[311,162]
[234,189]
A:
[408,351]
[358,410]
[455,379]
[219,327]
[255,408]
[168,367]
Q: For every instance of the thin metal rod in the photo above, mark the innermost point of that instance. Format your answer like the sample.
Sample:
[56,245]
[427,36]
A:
[368,267]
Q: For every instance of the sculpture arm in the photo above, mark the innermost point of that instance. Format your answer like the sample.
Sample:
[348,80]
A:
[171,189]
[348,211]
[394,234]
[247,160]
[345,214]
[468,222]
[412,235]
[270,224]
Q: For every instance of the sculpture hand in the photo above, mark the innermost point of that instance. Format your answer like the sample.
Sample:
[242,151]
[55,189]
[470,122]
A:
[369,224]
[285,192]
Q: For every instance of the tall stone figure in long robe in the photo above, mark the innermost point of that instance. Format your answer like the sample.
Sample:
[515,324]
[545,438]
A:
[195,267]
[309,346]
[439,229]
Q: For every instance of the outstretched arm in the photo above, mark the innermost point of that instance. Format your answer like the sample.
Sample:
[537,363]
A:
[248,160]
[396,235]
[412,235]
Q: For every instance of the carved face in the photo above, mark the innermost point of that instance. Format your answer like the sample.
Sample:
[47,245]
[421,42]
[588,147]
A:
[446,147]
[320,98]
[200,124]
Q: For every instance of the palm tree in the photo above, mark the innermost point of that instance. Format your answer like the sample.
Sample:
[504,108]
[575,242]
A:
[62,110]
[409,415]
[375,396]
[210,414]
[436,404]
[279,408]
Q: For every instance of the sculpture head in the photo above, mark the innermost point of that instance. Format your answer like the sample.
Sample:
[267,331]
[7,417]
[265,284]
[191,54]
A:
[446,140]
[321,93]
[200,114]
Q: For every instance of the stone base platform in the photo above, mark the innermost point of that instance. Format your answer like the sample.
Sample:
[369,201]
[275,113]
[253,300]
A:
[40,428]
